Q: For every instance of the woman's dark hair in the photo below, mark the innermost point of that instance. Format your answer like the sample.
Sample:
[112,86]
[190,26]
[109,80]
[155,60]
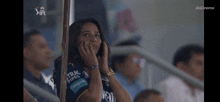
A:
[121,58]
[184,53]
[73,53]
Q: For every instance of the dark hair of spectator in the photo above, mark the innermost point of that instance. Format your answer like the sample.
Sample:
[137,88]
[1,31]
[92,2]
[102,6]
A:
[27,37]
[121,58]
[144,94]
[73,53]
[184,53]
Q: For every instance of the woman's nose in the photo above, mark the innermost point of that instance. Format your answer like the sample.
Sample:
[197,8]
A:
[93,39]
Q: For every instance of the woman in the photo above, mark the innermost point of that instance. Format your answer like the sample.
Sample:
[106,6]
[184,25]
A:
[89,79]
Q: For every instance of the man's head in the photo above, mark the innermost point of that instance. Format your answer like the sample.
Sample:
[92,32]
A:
[190,59]
[149,95]
[35,50]
[130,65]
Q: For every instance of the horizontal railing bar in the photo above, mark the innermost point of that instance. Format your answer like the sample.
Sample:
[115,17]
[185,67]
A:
[44,94]
[157,61]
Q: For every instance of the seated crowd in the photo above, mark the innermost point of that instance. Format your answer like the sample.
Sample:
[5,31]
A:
[91,79]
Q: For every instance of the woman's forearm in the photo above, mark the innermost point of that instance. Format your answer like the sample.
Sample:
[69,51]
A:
[119,91]
[94,92]
[95,82]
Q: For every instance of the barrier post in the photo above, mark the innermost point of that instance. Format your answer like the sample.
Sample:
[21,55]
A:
[65,42]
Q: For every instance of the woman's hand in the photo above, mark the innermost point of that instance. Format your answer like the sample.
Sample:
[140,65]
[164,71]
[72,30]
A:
[87,53]
[103,60]
[94,92]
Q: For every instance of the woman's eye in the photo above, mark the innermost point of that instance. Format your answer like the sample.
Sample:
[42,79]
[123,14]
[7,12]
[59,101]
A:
[86,35]
[97,35]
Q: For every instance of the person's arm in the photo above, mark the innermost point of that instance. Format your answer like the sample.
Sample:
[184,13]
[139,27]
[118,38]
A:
[94,92]
[119,91]
[27,96]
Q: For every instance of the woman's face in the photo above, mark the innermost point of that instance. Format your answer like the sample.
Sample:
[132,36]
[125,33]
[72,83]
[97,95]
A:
[90,34]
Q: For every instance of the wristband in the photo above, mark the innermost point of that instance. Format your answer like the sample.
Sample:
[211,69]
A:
[93,67]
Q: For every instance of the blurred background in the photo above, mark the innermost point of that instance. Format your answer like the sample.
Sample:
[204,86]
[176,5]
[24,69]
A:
[159,26]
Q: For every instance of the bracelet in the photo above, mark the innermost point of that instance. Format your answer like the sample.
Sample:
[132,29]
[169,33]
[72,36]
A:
[32,99]
[111,72]
[93,67]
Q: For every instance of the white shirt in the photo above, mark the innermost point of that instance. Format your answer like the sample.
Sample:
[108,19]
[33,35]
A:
[174,89]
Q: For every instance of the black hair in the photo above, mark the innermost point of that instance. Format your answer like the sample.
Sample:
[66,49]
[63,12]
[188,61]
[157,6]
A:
[27,36]
[73,53]
[145,94]
[184,53]
[121,58]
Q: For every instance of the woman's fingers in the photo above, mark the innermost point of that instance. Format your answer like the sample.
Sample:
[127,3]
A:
[91,49]
[81,49]
[86,47]
[105,47]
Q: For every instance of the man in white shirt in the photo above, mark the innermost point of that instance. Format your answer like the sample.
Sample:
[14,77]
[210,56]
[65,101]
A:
[190,59]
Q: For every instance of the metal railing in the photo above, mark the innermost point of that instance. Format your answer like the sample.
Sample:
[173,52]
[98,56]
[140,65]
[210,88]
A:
[157,61]
[44,94]
[152,59]
[120,51]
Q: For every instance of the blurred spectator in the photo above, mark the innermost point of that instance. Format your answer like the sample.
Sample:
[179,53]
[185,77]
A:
[149,95]
[36,58]
[121,23]
[127,69]
[27,97]
[190,59]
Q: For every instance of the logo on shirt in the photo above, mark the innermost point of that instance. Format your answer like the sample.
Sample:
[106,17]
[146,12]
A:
[73,75]
[108,96]
[85,74]
[78,84]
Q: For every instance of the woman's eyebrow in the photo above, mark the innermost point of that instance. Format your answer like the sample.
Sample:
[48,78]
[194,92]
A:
[86,31]
[96,31]
[89,31]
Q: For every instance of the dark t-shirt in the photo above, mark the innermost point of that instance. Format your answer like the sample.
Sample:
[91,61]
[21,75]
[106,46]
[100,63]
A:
[78,81]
